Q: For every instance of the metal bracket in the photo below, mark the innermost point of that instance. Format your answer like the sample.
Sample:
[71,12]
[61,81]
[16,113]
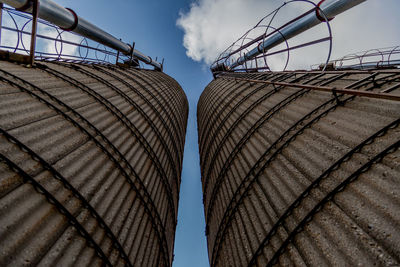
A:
[116,61]
[133,60]
[338,101]
[133,49]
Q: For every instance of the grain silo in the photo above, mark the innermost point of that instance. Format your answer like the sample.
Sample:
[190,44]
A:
[295,175]
[301,168]
[90,164]
[90,160]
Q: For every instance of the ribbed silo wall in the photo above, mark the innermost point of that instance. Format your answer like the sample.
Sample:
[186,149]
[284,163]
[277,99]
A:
[91,157]
[294,176]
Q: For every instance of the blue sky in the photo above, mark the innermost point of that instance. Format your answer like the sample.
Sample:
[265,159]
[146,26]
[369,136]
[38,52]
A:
[152,25]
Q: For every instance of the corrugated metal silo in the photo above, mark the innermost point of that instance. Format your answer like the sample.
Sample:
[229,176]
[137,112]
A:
[301,174]
[90,165]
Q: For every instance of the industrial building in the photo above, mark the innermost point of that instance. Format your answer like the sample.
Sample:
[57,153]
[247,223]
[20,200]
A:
[301,168]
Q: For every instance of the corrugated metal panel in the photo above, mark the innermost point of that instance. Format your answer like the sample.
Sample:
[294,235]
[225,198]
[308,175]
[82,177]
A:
[90,164]
[294,176]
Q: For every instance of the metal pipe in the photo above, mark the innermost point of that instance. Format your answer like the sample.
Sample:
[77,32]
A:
[324,89]
[68,20]
[329,8]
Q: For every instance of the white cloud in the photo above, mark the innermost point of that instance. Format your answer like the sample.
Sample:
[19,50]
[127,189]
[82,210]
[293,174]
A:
[210,26]
[49,46]
[22,42]
[12,39]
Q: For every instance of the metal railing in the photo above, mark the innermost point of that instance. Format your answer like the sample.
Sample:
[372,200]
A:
[250,53]
[45,30]
[377,58]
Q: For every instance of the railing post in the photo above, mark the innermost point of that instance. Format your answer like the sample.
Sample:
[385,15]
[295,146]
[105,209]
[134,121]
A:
[1,17]
[133,49]
[35,14]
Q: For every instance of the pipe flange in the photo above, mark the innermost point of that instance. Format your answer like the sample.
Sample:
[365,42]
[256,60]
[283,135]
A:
[318,14]
[75,24]
[26,6]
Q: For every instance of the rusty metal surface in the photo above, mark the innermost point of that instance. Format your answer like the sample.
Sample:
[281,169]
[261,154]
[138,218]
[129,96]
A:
[301,175]
[90,164]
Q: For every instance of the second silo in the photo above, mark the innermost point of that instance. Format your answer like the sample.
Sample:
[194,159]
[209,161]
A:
[90,165]
[301,168]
